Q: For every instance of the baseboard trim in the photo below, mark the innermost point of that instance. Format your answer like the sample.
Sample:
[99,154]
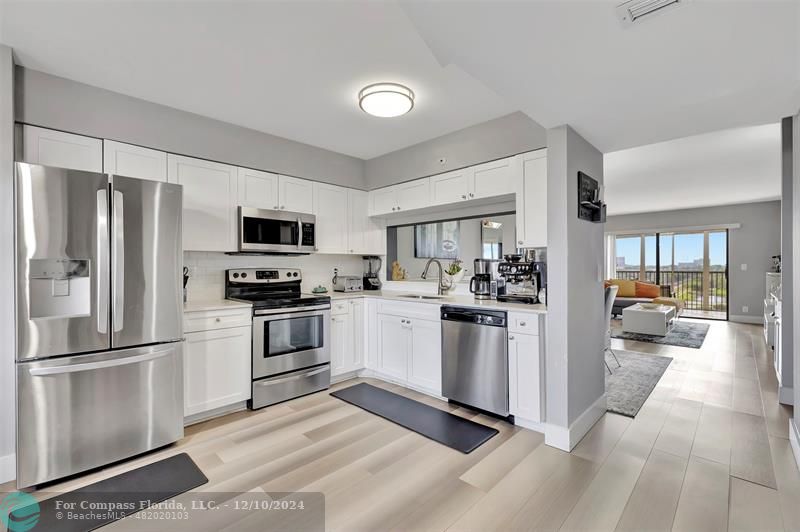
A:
[566,438]
[794,439]
[786,395]
[742,318]
[214,413]
[8,468]
[530,425]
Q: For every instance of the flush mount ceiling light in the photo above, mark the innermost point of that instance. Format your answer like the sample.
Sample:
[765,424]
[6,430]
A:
[386,100]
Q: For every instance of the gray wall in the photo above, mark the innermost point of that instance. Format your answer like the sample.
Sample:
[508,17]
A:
[787,259]
[575,321]
[7,332]
[58,103]
[795,353]
[758,238]
[501,137]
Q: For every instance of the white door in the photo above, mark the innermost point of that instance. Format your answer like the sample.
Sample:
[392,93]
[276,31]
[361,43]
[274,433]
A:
[425,360]
[257,189]
[532,199]
[341,343]
[64,150]
[216,369]
[494,178]
[134,161]
[524,375]
[359,337]
[296,195]
[382,201]
[451,187]
[330,208]
[414,194]
[209,199]
[393,346]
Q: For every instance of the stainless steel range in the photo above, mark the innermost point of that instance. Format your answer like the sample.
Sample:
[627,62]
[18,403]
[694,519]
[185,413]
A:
[291,339]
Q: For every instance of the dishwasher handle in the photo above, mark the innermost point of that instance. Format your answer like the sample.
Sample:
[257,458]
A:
[476,316]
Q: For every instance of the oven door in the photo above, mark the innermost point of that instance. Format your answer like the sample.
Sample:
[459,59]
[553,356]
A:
[286,340]
[268,231]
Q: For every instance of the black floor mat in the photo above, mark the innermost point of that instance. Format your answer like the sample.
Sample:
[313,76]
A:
[136,489]
[446,428]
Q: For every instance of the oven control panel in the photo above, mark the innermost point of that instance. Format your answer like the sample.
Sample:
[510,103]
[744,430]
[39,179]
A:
[259,275]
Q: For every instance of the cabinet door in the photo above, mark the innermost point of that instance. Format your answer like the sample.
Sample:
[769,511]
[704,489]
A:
[359,336]
[425,360]
[393,346]
[134,161]
[341,343]
[295,194]
[209,203]
[451,187]
[524,374]
[216,369]
[330,208]
[382,201]
[257,189]
[367,235]
[65,150]
[414,194]
[494,178]
[532,199]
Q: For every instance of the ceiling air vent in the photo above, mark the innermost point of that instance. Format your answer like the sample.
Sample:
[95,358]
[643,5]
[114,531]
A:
[637,10]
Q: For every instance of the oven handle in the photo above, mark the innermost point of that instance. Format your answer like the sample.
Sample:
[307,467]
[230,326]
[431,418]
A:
[290,378]
[290,311]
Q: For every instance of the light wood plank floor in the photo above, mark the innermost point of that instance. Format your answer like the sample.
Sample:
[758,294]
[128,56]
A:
[708,451]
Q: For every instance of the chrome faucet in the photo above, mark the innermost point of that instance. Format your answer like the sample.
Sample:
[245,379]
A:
[444,284]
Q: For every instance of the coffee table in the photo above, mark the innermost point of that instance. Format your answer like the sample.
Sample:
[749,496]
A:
[656,321]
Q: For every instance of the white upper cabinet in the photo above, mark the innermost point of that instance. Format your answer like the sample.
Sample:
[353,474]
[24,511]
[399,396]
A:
[134,161]
[295,194]
[532,199]
[367,235]
[330,208]
[382,201]
[209,202]
[414,194]
[257,189]
[451,187]
[494,178]
[64,150]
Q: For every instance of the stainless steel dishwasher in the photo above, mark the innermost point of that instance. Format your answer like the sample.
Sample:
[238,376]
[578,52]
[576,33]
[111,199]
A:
[475,358]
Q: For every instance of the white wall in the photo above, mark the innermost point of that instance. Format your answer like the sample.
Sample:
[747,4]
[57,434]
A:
[575,330]
[795,421]
[207,269]
[7,328]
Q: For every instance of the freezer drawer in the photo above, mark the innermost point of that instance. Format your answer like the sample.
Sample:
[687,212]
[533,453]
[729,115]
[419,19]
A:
[78,413]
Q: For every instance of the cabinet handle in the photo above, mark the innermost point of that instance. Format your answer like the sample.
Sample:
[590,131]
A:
[519,242]
[463,196]
[282,207]
[471,195]
[522,324]
[510,337]
[398,208]
[275,207]
[218,320]
[393,208]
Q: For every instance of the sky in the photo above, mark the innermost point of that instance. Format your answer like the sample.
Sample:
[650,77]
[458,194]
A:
[688,248]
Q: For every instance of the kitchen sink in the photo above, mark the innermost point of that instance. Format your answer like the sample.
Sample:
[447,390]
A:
[418,296]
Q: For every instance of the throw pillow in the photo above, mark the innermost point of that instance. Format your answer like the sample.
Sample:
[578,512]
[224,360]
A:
[647,290]
[626,288]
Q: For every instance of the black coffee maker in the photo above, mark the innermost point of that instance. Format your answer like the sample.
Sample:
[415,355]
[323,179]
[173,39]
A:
[372,265]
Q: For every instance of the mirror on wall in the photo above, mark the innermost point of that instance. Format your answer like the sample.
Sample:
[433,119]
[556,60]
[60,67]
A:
[464,239]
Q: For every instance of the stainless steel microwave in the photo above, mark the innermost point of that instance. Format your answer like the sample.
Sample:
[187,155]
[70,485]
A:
[270,231]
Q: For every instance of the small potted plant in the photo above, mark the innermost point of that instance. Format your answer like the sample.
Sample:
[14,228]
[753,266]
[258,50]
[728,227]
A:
[454,271]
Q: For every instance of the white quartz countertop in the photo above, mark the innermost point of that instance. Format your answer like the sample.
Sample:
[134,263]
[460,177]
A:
[213,304]
[459,300]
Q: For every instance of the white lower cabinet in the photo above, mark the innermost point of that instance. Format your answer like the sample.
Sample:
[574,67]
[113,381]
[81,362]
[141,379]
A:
[347,336]
[524,376]
[216,361]
[409,351]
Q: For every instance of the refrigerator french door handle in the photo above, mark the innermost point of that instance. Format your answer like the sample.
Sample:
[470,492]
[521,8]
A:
[118,261]
[88,366]
[102,261]
[299,233]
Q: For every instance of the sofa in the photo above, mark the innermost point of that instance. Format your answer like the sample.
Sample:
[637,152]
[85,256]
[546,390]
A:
[632,292]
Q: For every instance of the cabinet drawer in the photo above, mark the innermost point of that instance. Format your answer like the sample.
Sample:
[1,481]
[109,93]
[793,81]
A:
[339,308]
[425,311]
[207,320]
[519,322]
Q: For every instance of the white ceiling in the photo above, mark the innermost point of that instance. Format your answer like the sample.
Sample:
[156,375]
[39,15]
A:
[705,66]
[292,69]
[725,167]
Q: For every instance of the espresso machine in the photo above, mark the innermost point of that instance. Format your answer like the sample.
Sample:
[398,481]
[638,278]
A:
[372,266]
[486,283]
[522,280]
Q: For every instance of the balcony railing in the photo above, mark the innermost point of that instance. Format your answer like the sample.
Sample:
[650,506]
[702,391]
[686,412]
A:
[689,287]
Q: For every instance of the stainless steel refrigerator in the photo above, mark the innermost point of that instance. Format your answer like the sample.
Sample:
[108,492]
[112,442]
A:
[99,319]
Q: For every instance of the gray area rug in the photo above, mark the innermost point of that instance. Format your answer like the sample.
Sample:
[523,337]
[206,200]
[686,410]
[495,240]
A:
[629,386]
[682,334]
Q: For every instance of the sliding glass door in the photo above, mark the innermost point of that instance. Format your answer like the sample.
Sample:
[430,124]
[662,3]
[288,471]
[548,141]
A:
[694,264]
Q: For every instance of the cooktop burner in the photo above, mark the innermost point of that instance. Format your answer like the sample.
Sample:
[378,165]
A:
[269,288]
